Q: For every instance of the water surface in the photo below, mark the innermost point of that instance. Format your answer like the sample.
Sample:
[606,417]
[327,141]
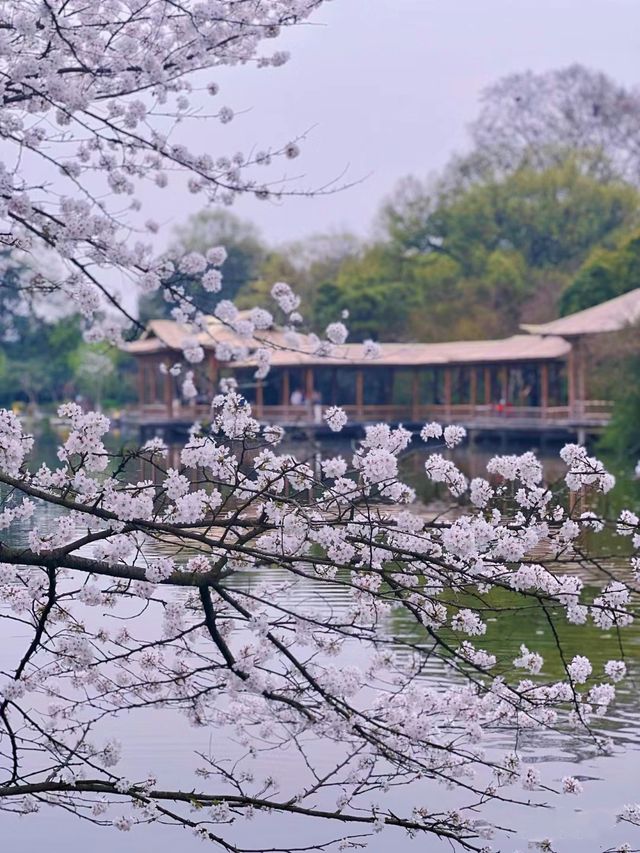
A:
[576,824]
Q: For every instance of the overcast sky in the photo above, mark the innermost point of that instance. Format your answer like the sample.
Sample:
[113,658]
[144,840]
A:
[389,87]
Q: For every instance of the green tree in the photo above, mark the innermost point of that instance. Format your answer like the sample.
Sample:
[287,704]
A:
[371,288]
[605,274]
[551,217]
[312,266]
[245,255]
[275,266]
[47,361]
[622,436]
[36,359]
[103,375]
[505,235]
[619,372]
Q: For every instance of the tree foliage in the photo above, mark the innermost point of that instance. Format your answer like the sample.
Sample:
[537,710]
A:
[312,263]
[245,254]
[470,260]
[549,217]
[622,436]
[93,97]
[617,361]
[605,274]
[371,289]
[215,625]
[47,361]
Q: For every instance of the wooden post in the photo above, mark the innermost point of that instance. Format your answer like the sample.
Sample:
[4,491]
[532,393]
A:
[153,387]
[359,392]
[309,393]
[487,386]
[544,388]
[309,389]
[213,372]
[473,388]
[447,391]
[259,398]
[571,384]
[415,395]
[168,394]
[581,389]
[141,370]
[504,383]
[286,394]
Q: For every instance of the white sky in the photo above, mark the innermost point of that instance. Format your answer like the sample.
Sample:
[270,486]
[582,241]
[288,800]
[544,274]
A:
[389,87]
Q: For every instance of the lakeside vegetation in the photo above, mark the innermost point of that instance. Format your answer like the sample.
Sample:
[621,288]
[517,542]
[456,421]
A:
[46,361]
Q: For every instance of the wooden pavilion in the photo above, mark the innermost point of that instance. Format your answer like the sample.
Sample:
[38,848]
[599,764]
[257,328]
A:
[584,330]
[530,381]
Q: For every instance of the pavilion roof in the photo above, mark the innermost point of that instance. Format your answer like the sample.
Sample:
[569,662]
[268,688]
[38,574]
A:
[163,336]
[167,335]
[516,348]
[611,316]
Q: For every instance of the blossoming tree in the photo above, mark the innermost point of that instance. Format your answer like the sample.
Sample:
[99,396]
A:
[139,583]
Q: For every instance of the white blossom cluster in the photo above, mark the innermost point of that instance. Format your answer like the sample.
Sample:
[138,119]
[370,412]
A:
[232,504]
[91,96]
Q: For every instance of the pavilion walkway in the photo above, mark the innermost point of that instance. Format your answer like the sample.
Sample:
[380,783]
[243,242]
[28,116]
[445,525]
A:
[536,383]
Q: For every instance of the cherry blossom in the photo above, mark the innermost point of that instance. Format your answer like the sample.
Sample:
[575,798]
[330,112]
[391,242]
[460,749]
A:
[93,98]
[162,580]
[336,418]
[339,524]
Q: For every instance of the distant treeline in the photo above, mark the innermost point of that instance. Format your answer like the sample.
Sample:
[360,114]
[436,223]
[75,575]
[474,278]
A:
[540,217]
[452,259]
[43,362]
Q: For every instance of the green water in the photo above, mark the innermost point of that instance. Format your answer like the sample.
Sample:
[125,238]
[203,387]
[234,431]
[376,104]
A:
[577,825]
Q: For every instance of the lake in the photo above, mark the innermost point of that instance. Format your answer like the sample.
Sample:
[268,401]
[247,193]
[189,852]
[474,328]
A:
[575,824]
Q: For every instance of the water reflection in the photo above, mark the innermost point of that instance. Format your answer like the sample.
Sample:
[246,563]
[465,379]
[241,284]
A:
[582,824]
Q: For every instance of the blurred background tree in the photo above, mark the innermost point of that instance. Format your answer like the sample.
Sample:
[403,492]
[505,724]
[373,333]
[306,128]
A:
[605,274]
[44,361]
[540,217]
[616,371]
[537,118]
[477,259]
[245,255]
[531,221]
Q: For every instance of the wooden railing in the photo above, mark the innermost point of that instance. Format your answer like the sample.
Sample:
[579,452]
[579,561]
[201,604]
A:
[587,412]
